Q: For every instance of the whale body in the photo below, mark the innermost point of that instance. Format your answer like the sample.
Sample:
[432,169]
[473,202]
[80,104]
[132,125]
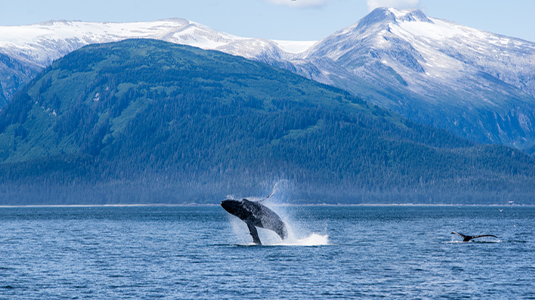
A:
[255,215]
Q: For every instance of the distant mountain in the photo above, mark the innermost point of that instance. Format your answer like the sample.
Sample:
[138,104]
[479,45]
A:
[146,121]
[473,83]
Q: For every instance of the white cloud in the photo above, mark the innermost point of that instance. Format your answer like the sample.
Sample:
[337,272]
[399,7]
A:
[299,3]
[373,4]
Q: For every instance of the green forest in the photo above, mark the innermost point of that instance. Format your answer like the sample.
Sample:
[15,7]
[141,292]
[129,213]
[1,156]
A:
[145,121]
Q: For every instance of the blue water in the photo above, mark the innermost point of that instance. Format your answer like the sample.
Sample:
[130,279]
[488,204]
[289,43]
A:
[203,252]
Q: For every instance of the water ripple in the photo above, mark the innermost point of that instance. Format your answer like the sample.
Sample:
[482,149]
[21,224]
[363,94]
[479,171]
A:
[197,253]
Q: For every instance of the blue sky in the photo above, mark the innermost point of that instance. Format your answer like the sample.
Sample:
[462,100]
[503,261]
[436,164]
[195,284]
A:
[275,19]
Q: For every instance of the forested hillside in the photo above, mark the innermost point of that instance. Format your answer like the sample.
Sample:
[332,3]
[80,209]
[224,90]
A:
[144,121]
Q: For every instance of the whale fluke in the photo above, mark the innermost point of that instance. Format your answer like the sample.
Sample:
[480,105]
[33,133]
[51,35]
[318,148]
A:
[467,238]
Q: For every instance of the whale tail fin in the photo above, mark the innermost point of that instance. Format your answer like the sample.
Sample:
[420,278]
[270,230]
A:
[467,238]
[462,235]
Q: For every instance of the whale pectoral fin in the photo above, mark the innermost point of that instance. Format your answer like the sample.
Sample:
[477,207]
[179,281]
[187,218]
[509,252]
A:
[254,233]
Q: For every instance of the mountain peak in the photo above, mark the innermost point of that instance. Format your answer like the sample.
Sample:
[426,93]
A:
[409,15]
[383,15]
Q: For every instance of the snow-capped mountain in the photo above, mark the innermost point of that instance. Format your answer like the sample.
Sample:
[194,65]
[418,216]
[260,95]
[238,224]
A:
[44,42]
[474,83]
[25,50]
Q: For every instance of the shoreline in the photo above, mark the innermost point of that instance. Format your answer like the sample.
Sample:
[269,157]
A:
[283,205]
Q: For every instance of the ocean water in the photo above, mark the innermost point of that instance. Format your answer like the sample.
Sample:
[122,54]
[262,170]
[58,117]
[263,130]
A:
[392,252]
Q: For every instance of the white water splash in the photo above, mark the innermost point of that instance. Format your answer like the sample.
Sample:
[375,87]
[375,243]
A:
[313,240]
[456,241]
[297,236]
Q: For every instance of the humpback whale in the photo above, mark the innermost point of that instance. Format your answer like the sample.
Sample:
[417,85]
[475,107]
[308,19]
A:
[467,238]
[255,215]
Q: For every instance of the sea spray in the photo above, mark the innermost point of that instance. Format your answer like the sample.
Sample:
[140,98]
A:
[298,233]
[312,240]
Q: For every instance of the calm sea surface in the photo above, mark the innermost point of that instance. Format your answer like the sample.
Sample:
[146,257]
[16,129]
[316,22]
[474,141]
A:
[203,252]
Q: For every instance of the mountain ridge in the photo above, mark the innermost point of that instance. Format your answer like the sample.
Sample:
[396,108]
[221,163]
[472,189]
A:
[473,83]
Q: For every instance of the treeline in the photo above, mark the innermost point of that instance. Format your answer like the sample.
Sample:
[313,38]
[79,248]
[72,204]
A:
[188,145]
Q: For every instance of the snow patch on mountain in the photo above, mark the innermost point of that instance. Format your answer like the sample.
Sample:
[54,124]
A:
[44,42]
[437,30]
[294,46]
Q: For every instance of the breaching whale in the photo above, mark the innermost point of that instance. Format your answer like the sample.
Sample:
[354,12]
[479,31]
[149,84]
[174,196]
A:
[255,215]
[467,238]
